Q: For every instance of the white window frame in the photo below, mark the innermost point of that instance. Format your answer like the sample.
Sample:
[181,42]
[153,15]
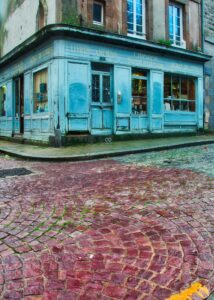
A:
[143,36]
[102,13]
[182,42]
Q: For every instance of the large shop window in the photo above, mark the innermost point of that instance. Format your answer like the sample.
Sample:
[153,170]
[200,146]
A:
[40,91]
[3,92]
[101,84]
[136,17]
[179,93]
[139,92]
[176,25]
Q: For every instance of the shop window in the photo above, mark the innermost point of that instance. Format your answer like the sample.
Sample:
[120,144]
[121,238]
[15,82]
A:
[179,93]
[176,25]
[3,93]
[98,13]
[139,92]
[40,91]
[136,18]
[101,84]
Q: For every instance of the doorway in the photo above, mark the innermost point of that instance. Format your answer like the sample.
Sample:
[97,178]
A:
[19,104]
[102,99]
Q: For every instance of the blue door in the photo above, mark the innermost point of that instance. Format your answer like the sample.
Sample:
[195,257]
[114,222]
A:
[101,100]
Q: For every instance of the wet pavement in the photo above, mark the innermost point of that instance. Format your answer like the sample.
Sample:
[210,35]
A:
[133,227]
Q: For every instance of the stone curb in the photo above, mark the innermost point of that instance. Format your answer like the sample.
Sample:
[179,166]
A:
[92,156]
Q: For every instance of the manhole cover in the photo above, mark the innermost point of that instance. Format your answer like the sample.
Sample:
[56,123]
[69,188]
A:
[14,172]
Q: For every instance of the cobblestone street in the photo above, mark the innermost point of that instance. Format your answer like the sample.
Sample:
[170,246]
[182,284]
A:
[133,227]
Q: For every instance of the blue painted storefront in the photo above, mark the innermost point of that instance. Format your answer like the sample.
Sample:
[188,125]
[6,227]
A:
[69,61]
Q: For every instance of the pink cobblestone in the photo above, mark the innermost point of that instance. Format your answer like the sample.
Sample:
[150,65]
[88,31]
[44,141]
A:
[104,230]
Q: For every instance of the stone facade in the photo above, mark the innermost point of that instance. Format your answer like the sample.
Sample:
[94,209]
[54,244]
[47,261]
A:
[21,21]
[24,13]
[209,68]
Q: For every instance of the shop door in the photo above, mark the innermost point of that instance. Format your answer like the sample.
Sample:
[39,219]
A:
[19,104]
[102,100]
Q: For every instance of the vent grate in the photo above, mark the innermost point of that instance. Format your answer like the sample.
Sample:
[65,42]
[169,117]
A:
[14,172]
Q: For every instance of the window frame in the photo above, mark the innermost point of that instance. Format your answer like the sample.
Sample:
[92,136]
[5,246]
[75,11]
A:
[182,43]
[134,34]
[102,13]
[171,99]
[101,74]
[37,70]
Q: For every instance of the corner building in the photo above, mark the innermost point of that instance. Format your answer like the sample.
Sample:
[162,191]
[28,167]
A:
[102,68]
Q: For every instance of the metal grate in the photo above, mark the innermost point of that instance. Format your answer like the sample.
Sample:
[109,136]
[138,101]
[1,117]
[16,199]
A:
[14,172]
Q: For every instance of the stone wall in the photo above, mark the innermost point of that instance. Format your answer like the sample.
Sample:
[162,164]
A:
[209,67]
[21,22]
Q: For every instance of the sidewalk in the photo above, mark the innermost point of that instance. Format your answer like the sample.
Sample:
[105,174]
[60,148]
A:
[100,150]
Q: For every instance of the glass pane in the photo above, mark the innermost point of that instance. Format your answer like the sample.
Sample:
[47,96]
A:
[40,91]
[130,6]
[139,8]
[192,106]
[97,12]
[138,72]
[184,88]
[95,88]
[167,86]
[139,29]
[139,20]
[176,87]
[139,96]
[191,91]
[3,92]
[130,17]
[106,88]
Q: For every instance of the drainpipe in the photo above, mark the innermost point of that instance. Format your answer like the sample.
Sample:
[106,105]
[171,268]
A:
[202,25]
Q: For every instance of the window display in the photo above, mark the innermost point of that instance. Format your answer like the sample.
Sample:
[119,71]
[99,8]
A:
[3,92]
[179,93]
[40,87]
[139,92]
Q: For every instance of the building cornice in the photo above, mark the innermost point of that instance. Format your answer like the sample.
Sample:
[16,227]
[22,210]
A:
[59,30]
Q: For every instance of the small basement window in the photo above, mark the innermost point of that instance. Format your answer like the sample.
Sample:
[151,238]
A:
[98,13]
[179,93]
[139,92]
[40,91]
[3,92]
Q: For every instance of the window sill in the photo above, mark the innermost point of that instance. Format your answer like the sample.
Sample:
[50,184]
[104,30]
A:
[98,24]
[182,46]
[143,37]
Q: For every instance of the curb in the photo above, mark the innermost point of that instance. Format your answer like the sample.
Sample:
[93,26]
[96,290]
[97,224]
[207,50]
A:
[99,155]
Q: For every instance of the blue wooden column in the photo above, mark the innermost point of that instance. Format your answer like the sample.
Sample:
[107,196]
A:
[200,103]
[122,99]
[155,101]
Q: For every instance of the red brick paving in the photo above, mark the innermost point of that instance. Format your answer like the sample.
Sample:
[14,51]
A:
[104,230]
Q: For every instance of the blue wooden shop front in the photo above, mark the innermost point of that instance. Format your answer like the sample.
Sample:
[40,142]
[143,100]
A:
[77,85]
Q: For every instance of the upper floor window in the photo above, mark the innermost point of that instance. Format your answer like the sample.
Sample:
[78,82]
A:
[42,14]
[136,17]
[3,91]
[176,25]
[98,13]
